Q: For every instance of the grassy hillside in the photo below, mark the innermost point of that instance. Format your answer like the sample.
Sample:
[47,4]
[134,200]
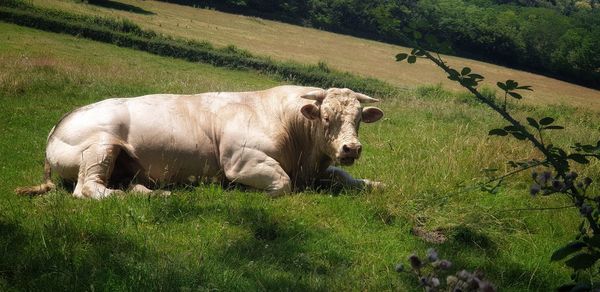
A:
[553,38]
[283,42]
[430,144]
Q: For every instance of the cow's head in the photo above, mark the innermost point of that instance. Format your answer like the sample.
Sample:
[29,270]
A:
[338,113]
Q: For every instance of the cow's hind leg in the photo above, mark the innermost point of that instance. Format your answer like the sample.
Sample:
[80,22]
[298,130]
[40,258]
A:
[97,163]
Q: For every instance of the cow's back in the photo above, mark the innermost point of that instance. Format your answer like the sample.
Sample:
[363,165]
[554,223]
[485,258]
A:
[177,137]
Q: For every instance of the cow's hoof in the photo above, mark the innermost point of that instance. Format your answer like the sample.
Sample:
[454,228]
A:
[161,193]
[375,186]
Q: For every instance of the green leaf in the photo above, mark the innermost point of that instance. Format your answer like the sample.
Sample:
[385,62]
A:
[554,127]
[400,57]
[465,71]
[525,87]
[411,59]
[453,75]
[416,35]
[419,53]
[578,158]
[454,72]
[546,121]
[475,76]
[582,261]
[497,132]
[515,95]
[502,86]
[511,84]
[469,82]
[532,122]
[567,250]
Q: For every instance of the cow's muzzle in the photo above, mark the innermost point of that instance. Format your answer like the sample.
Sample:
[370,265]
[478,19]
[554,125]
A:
[349,153]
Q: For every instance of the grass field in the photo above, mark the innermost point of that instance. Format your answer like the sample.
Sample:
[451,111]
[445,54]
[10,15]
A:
[430,144]
[283,42]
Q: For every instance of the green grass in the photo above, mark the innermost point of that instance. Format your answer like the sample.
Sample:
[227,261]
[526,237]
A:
[429,144]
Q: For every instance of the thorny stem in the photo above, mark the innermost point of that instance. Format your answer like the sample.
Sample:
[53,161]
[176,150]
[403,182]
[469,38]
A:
[541,137]
[576,195]
[515,171]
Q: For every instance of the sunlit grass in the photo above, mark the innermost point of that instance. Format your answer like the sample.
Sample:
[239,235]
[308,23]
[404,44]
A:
[429,147]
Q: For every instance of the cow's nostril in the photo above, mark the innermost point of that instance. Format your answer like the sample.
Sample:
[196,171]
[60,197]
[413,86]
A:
[345,148]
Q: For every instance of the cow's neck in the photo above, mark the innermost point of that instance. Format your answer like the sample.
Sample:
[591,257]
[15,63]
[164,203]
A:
[302,157]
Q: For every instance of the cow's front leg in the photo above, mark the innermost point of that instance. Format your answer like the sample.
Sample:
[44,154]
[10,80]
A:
[339,176]
[255,169]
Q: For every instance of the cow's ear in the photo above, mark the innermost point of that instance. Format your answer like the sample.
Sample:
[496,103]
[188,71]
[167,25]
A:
[371,114]
[310,111]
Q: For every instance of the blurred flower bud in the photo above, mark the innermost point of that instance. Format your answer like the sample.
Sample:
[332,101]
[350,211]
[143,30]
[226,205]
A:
[587,181]
[534,190]
[571,175]
[435,282]
[423,281]
[399,268]
[444,264]
[464,275]
[432,255]
[473,283]
[557,185]
[485,286]
[415,261]
[545,177]
[451,281]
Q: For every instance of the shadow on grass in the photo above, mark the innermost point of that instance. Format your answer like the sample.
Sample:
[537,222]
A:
[54,249]
[120,6]
[62,257]
[514,274]
[278,254]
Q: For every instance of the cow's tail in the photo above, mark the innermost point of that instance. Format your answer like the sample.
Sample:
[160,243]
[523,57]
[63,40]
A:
[47,186]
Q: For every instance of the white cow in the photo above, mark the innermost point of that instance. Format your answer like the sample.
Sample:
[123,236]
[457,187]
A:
[278,140]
